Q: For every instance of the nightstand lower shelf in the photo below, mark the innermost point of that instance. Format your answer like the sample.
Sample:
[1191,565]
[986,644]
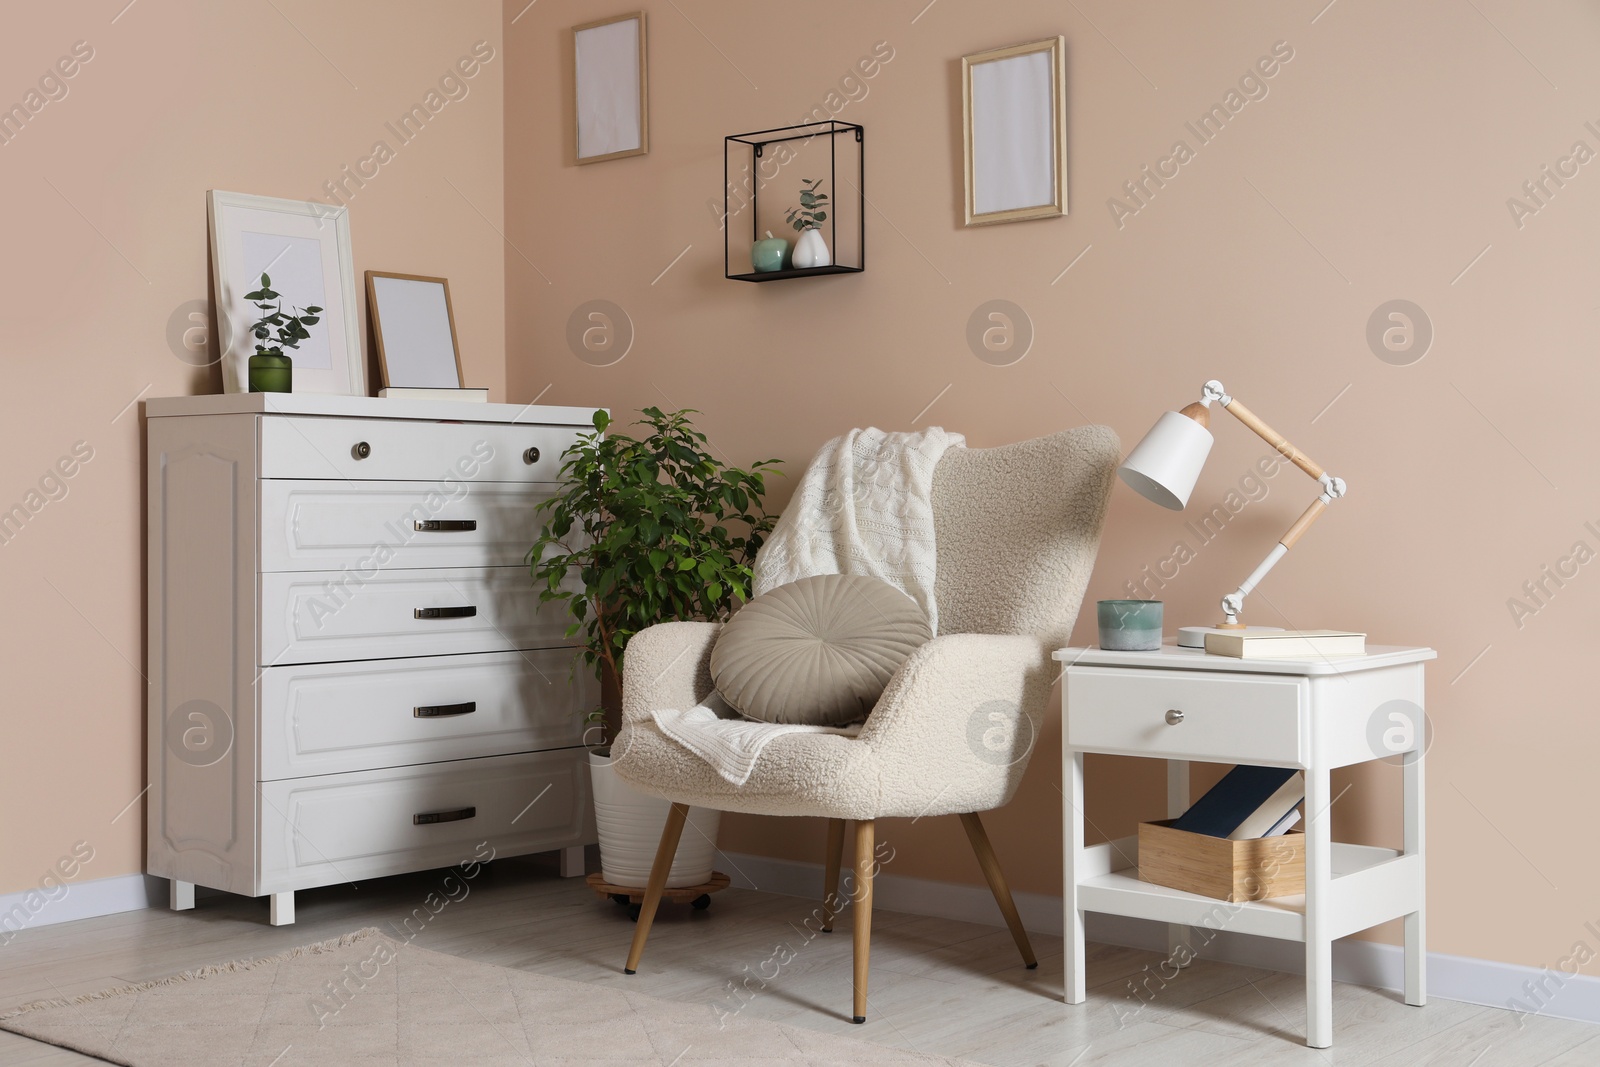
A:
[1369,886]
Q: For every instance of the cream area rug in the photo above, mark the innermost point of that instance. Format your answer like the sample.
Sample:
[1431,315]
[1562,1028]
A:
[368,999]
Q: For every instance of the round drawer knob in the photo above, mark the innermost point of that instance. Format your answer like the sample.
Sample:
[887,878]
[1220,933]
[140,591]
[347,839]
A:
[362,450]
[1174,717]
[531,456]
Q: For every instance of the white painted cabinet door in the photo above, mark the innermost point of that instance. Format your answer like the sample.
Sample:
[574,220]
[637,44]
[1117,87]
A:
[329,718]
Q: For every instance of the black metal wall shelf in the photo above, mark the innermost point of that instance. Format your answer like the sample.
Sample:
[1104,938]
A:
[782,154]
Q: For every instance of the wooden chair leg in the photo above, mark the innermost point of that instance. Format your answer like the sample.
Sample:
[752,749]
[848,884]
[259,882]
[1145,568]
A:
[658,881]
[997,885]
[830,877]
[863,914]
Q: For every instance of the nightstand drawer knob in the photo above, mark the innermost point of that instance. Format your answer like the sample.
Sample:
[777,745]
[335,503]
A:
[361,450]
[531,456]
[1174,717]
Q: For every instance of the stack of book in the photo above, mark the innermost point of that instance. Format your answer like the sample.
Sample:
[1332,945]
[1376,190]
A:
[1249,802]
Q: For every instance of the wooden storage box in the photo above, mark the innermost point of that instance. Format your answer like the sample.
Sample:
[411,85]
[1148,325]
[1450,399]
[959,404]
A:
[1216,867]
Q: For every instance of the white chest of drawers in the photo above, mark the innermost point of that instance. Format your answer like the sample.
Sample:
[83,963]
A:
[350,671]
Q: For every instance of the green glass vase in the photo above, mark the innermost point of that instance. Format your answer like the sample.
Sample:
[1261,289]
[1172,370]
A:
[271,374]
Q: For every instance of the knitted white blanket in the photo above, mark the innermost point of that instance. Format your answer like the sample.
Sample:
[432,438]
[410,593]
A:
[864,506]
[729,744]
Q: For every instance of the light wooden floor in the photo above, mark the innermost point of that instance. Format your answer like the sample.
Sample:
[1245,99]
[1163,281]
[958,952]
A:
[938,986]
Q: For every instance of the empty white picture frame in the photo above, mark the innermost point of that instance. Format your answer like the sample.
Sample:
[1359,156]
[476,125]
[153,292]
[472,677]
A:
[305,247]
[1014,105]
[610,90]
[414,327]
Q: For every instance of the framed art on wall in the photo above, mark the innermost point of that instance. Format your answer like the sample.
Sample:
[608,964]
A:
[1014,109]
[610,89]
[414,327]
[306,248]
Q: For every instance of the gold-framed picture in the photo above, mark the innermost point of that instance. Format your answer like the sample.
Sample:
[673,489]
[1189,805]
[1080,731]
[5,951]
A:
[1014,116]
[610,89]
[414,329]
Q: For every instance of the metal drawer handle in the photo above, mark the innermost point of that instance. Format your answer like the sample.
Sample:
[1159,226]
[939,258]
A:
[1174,717]
[440,711]
[531,456]
[445,525]
[466,612]
[428,818]
[362,450]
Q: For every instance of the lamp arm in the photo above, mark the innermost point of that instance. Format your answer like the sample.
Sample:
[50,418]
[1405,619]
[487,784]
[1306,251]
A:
[1273,437]
[1332,489]
[1233,603]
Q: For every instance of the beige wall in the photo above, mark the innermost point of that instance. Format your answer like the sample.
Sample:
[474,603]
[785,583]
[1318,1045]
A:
[1378,166]
[105,245]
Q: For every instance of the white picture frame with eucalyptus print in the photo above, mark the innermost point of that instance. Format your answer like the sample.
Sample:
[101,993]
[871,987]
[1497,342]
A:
[305,247]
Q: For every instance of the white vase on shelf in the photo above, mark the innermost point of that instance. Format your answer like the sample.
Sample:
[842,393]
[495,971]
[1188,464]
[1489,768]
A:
[810,250]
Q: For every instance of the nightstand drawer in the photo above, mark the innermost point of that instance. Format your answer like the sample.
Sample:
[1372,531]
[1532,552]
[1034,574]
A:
[326,525]
[1220,718]
[397,450]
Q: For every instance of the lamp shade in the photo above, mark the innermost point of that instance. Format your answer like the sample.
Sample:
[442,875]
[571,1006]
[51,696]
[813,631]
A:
[1164,466]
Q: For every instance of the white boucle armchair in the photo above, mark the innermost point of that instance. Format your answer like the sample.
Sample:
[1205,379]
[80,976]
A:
[1016,529]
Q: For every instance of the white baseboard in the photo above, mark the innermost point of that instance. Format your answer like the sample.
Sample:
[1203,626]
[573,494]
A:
[82,900]
[1495,985]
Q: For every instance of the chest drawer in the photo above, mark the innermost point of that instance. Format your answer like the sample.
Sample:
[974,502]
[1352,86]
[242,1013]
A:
[330,718]
[326,617]
[399,450]
[344,827]
[326,525]
[1225,718]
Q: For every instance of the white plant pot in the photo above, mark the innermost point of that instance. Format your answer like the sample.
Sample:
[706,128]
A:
[810,250]
[630,824]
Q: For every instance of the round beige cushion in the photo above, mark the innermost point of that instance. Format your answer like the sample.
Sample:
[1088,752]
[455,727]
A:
[818,651]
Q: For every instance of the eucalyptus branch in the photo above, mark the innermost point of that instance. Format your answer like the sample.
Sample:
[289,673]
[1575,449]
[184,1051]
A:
[290,329]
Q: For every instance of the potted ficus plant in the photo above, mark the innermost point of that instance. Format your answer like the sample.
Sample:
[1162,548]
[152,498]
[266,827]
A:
[271,370]
[647,530]
[810,250]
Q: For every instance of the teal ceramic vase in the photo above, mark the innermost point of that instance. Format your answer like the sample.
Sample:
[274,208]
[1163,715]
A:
[770,255]
[1130,625]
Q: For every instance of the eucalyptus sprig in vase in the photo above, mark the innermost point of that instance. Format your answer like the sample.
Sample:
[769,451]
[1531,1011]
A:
[271,370]
[810,250]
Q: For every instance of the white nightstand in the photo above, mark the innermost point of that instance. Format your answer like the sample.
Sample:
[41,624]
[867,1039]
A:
[1182,705]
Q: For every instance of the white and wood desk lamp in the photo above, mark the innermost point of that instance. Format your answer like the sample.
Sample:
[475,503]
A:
[1165,465]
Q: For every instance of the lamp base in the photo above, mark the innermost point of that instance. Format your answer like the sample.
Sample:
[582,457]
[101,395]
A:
[1195,636]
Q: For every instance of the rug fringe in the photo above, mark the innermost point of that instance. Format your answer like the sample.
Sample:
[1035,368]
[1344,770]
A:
[232,967]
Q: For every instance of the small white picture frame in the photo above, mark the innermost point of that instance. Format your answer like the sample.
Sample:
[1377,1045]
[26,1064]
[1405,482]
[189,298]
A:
[1014,104]
[610,89]
[305,247]
[414,328]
